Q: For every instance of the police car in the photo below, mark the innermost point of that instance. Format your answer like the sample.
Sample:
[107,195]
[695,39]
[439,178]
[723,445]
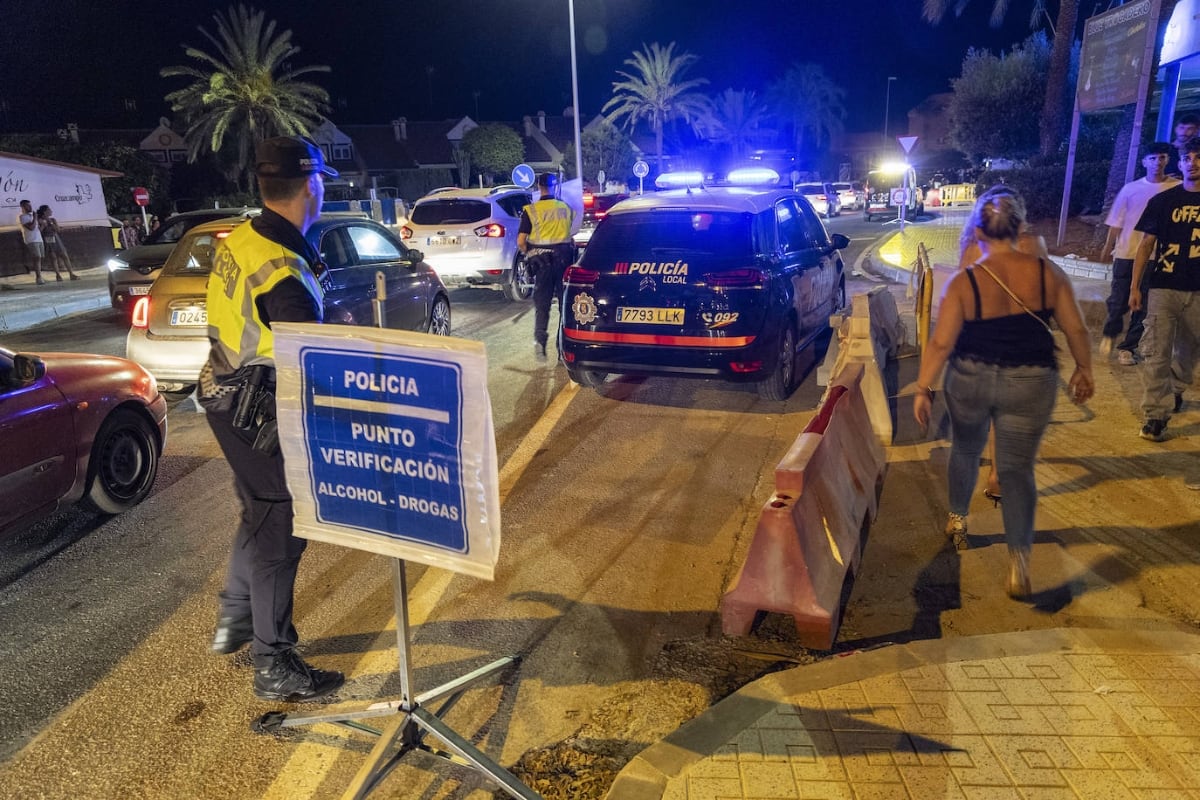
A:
[726,282]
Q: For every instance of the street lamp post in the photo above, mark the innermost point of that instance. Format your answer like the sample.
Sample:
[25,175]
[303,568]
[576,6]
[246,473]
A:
[887,103]
[575,95]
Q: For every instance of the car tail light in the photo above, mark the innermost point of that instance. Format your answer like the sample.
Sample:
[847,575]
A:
[748,276]
[406,232]
[492,230]
[578,276]
[568,357]
[601,215]
[589,200]
[223,234]
[141,313]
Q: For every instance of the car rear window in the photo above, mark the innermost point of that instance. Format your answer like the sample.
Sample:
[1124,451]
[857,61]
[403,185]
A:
[193,255]
[721,239]
[450,212]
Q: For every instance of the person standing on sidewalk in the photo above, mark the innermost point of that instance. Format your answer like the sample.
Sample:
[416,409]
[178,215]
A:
[1171,228]
[1121,245]
[993,338]
[31,235]
[56,251]
[545,238]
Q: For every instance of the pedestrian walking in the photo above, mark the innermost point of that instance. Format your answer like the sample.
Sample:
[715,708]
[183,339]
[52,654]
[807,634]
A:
[1171,227]
[1121,245]
[56,251]
[544,236]
[264,272]
[968,253]
[31,235]
[994,340]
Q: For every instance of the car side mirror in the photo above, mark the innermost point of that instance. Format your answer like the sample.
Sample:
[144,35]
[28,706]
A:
[414,257]
[840,241]
[27,368]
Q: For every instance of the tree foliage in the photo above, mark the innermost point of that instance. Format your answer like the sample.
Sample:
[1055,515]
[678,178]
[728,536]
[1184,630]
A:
[807,102]
[246,89]
[736,119]
[493,149]
[994,109]
[657,92]
[1054,98]
[605,147]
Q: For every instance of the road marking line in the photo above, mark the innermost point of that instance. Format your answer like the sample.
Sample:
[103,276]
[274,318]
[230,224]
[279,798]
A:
[306,768]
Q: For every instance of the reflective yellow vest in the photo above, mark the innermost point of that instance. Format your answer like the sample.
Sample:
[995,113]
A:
[551,222]
[246,266]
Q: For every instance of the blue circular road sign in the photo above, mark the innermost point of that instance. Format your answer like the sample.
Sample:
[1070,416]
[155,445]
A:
[641,169]
[523,176]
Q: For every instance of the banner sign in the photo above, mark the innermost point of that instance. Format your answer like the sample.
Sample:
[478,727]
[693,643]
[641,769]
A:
[1114,46]
[388,443]
[1182,37]
[74,195]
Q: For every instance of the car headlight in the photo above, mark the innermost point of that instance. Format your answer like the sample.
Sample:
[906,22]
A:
[115,264]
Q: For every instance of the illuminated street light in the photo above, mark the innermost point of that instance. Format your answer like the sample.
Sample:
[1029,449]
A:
[575,95]
[887,102]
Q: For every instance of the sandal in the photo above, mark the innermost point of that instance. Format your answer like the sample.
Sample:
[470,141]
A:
[993,496]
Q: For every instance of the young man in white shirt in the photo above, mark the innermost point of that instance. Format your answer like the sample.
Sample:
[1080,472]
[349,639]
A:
[1122,244]
[31,234]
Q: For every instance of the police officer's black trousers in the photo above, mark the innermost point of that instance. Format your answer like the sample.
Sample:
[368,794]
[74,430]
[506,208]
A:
[262,567]
[547,285]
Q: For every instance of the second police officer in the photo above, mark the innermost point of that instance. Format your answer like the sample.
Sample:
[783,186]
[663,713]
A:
[545,238]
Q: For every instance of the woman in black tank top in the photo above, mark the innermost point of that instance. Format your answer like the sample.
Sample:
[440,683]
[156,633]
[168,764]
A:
[994,341]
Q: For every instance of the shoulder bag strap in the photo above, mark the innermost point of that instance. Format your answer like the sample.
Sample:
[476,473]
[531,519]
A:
[1013,294]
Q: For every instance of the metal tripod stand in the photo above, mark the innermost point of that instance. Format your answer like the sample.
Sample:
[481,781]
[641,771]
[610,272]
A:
[413,723]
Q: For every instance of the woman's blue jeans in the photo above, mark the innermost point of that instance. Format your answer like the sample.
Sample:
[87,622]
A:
[1018,401]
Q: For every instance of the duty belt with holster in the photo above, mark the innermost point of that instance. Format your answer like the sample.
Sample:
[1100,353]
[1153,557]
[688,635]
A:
[250,394]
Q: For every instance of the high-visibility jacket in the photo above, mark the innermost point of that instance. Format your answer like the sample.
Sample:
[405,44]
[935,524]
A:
[246,266]
[551,222]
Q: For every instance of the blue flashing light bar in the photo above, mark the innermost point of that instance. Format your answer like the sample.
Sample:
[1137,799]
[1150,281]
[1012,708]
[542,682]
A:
[753,176]
[679,180]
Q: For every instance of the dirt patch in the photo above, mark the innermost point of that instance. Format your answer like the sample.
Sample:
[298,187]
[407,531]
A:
[1082,237]
[688,677]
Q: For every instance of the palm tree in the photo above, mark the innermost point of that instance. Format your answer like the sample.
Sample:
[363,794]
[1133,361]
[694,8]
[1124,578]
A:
[1052,121]
[248,90]
[734,118]
[810,103]
[656,92]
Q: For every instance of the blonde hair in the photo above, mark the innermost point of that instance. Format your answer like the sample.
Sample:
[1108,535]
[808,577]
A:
[999,213]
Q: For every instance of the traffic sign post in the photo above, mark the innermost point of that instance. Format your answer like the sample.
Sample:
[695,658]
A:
[142,198]
[397,456]
[641,169]
[907,143]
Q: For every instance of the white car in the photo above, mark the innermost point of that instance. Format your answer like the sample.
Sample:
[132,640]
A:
[469,237]
[821,196]
[850,196]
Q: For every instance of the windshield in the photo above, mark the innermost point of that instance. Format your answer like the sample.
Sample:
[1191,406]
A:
[450,212]
[722,239]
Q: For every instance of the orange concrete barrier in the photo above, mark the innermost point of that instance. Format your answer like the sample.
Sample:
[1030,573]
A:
[810,533]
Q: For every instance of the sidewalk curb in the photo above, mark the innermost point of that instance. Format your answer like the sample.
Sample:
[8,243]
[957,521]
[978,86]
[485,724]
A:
[14,321]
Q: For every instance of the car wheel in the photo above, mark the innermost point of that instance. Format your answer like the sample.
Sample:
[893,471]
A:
[123,463]
[520,283]
[439,317]
[589,378]
[781,382]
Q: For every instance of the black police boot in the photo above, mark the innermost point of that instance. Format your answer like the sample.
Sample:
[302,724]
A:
[232,634]
[290,679]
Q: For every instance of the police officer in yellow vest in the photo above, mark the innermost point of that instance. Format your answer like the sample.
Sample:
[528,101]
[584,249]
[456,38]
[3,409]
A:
[264,272]
[545,239]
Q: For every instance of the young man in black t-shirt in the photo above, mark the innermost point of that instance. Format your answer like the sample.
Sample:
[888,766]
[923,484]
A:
[1171,224]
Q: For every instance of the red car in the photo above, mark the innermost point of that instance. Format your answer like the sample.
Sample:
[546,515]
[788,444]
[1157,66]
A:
[76,428]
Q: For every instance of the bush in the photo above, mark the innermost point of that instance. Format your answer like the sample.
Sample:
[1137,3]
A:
[1041,184]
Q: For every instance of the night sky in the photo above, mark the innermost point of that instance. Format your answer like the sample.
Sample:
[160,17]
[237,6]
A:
[83,59]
